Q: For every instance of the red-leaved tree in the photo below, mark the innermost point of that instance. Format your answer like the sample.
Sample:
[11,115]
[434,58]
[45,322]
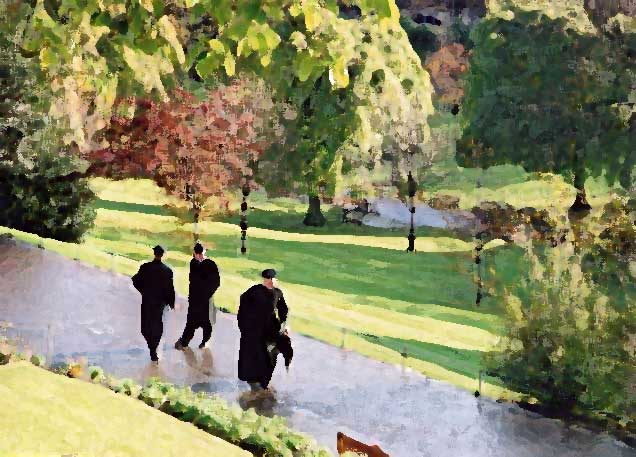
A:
[194,148]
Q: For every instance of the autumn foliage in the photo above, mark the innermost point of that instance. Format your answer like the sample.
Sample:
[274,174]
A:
[194,148]
[446,68]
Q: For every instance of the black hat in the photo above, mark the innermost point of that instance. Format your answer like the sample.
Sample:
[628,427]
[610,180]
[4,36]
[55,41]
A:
[198,248]
[158,250]
[269,273]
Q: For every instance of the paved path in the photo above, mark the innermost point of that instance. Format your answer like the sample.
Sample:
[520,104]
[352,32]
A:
[96,314]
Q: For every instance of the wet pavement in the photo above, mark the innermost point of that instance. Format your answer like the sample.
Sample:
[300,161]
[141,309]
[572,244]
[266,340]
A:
[61,308]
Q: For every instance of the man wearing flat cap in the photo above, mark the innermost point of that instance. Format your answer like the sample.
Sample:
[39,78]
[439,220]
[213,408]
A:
[154,282]
[262,317]
[204,281]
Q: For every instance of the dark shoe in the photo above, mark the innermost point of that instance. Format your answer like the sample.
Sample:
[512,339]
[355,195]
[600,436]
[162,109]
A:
[204,345]
[178,346]
[255,386]
[154,358]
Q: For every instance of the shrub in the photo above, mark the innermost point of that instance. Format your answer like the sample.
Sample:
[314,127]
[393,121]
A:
[41,187]
[569,345]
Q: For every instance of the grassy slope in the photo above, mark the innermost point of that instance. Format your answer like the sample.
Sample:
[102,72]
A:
[334,279]
[50,414]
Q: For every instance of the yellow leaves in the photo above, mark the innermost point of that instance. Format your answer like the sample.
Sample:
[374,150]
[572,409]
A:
[262,38]
[229,64]
[169,33]
[298,39]
[147,5]
[106,96]
[113,7]
[266,60]
[295,10]
[222,52]
[338,74]
[243,48]
[312,13]
[216,46]
[48,59]
[147,69]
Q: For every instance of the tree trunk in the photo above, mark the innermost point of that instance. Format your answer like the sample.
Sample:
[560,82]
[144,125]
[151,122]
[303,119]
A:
[580,204]
[314,216]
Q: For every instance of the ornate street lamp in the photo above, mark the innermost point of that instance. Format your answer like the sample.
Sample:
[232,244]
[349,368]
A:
[412,189]
[190,194]
[246,192]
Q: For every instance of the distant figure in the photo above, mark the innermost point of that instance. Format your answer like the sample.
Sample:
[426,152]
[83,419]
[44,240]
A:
[262,317]
[204,281]
[154,282]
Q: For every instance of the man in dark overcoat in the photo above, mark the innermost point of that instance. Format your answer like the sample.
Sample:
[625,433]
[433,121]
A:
[262,317]
[154,282]
[204,281]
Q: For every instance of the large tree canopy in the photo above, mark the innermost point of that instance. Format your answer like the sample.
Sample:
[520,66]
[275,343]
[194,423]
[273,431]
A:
[96,51]
[194,148]
[545,91]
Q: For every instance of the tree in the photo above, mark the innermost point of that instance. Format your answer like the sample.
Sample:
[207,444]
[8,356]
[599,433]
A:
[194,148]
[43,189]
[544,92]
[151,46]
[341,129]
[569,344]
[447,67]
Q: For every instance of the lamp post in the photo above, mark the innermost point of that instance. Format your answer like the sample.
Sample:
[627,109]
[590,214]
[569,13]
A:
[246,192]
[190,193]
[412,189]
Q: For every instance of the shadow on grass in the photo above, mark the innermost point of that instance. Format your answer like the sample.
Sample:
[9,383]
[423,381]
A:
[440,278]
[292,221]
[159,210]
[461,361]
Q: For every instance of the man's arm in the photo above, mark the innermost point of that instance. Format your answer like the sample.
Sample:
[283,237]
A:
[240,315]
[170,292]
[283,311]
[138,279]
[215,278]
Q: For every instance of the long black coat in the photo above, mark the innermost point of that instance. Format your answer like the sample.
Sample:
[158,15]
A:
[204,281]
[154,281]
[259,324]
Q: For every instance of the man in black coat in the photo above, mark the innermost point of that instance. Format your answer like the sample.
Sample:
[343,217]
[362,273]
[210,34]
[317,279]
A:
[262,317]
[204,281]
[154,281]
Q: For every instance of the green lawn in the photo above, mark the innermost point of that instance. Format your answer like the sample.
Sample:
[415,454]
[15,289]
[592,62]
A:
[49,414]
[338,278]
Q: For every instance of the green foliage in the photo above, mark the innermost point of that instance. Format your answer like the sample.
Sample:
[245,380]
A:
[320,62]
[48,199]
[41,186]
[96,374]
[38,360]
[544,92]
[569,345]
[215,416]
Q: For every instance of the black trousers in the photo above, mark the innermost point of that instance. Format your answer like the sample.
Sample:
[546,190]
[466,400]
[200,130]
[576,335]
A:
[188,331]
[152,330]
